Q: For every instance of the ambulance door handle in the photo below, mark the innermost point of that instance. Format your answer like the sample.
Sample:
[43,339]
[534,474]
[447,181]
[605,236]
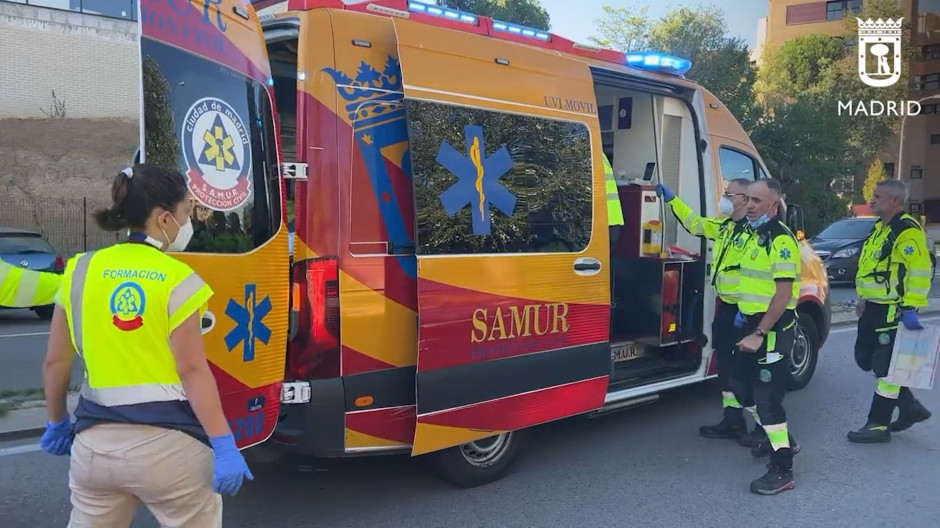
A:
[587,266]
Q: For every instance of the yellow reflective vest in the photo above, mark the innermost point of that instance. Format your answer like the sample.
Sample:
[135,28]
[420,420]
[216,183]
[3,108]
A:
[730,238]
[614,211]
[23,288]
[122,304]
[770,254]
[894,264]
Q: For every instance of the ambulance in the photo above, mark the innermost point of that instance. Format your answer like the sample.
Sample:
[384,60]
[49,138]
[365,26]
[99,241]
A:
[454,277]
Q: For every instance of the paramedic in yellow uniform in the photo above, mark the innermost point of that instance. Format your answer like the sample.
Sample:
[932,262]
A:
[730,234]
[149,424]
[770,288]
[23,288]
[892,282]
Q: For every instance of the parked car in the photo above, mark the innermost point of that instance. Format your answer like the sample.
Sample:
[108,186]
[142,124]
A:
[30,250]
[839,244]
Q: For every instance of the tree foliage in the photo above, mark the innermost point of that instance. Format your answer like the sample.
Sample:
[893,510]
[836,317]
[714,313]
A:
[162,145]
[524,12]
[876,173]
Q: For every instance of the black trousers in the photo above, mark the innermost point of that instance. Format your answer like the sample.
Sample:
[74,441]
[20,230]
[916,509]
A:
[874,346]
[723,342]
[761,380]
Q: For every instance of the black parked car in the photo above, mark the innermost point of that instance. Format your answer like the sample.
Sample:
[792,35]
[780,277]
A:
[838,246]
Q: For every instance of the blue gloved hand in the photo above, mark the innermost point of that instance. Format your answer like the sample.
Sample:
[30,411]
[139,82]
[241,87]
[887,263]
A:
[665,192]
[230,465]
[57,440]
[739,320]
[910,320]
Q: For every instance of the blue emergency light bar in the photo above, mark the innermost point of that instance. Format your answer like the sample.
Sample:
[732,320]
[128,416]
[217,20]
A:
[659,62]
[525,31]
[453,14]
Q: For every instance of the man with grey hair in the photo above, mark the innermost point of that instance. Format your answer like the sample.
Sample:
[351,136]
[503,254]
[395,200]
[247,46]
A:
[729,234]
[892,282]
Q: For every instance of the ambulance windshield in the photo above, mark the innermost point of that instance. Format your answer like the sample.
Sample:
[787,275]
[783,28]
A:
[216,126]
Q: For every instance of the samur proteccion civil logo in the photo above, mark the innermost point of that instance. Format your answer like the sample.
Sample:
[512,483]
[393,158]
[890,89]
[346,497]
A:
[217,149]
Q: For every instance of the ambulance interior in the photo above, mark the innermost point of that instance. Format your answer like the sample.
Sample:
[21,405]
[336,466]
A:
[658,274]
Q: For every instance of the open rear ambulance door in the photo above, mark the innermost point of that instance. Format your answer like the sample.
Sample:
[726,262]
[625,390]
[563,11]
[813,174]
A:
[207,109]
[508,338]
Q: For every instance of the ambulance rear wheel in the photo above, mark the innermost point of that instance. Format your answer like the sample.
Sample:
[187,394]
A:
[476,463]
[805,353]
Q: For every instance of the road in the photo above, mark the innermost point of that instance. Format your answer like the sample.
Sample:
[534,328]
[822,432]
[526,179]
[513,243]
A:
[23,339]
[642,467]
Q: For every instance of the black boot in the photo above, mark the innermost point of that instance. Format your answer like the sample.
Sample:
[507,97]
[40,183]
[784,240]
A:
[876,429]
[755,437]
[910,415]
[764,448]
[731,425]
[779,476]
[871,433]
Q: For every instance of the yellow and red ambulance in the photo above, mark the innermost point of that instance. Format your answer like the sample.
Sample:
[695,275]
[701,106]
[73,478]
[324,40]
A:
[454,276]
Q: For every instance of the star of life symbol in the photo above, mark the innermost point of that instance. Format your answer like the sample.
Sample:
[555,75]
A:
[249,322]
[477,180]
[881,39]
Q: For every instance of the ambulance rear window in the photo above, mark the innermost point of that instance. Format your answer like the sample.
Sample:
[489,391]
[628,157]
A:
[215,125]
[497,182]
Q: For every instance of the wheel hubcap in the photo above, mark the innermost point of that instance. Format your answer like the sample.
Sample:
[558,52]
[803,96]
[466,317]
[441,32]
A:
[799,359]
[486,452]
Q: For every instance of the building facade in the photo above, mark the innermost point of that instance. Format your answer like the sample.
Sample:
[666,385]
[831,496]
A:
[788,19]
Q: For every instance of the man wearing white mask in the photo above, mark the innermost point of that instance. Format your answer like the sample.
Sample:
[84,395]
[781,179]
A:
[730,233]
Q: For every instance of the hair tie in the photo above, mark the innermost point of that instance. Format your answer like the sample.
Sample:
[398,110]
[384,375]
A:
[129,172]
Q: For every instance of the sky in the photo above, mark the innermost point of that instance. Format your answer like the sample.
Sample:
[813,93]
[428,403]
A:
[574,19]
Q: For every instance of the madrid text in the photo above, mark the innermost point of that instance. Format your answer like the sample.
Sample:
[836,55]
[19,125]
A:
[879,108]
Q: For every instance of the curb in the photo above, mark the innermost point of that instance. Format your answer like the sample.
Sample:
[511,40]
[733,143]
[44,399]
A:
[21,434]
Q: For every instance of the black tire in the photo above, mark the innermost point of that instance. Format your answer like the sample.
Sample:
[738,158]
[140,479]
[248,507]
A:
[44,312]
[805,353]
[455,465]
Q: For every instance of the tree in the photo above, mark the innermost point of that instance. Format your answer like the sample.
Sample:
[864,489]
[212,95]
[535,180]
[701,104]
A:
[796,66]
[523,12]
[162,146]
[876,173]
[719,63]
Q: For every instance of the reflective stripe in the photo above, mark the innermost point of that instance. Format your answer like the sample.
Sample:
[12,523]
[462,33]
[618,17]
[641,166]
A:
[778,435]
[26,289]
[728,400]
[752,273]
[754,414]
[183,292]
[784,266]
[134,394]
[887,390]
[75,298]
[922,291]
[919,273]
[613,196]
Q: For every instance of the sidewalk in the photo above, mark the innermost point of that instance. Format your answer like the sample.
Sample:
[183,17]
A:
[29,421]
[843,314]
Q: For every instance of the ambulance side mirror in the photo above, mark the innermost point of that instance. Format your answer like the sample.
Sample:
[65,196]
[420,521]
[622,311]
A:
[795,220]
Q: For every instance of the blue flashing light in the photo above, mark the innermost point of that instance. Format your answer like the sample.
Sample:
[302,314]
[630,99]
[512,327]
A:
[659,62]
[444,12]
[525,31]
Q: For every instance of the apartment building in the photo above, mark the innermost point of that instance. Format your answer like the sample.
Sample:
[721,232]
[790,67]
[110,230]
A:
[787,19]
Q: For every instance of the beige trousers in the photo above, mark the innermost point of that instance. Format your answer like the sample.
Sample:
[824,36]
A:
[116,467]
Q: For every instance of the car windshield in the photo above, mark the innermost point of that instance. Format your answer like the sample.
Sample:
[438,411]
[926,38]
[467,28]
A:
[24,244]
[851,229]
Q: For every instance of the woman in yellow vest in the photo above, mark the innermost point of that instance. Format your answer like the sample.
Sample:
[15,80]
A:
[149,424]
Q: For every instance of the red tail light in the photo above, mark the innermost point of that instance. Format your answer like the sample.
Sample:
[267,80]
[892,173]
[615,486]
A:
[314,350]
[59,264]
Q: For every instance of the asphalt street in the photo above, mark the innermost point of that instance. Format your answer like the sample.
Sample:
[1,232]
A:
[641,467]
[23,338]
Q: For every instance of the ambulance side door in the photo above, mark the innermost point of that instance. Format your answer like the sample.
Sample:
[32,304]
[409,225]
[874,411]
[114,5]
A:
[512,241]
[208,110]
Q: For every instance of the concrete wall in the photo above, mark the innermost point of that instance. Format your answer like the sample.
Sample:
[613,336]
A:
[91,62]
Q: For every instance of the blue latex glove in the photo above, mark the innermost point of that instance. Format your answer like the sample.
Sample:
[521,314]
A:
[665,192]
[230,466]
[739,320]
[57,440]
[910,320]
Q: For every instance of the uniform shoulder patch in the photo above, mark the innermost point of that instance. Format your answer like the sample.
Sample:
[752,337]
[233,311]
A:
[909,249]
[785,253]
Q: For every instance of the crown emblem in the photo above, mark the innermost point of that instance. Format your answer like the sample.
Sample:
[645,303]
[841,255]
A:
[875,28]
[373,96]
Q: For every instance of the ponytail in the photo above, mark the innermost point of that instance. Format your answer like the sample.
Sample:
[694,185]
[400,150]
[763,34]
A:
[112,218]
[136,192]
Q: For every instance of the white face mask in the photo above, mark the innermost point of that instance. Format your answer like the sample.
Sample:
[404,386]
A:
[725,206]
[183,237]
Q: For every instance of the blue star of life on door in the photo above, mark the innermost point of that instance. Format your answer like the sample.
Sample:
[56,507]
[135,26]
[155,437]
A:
[478,178]
[249,322]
